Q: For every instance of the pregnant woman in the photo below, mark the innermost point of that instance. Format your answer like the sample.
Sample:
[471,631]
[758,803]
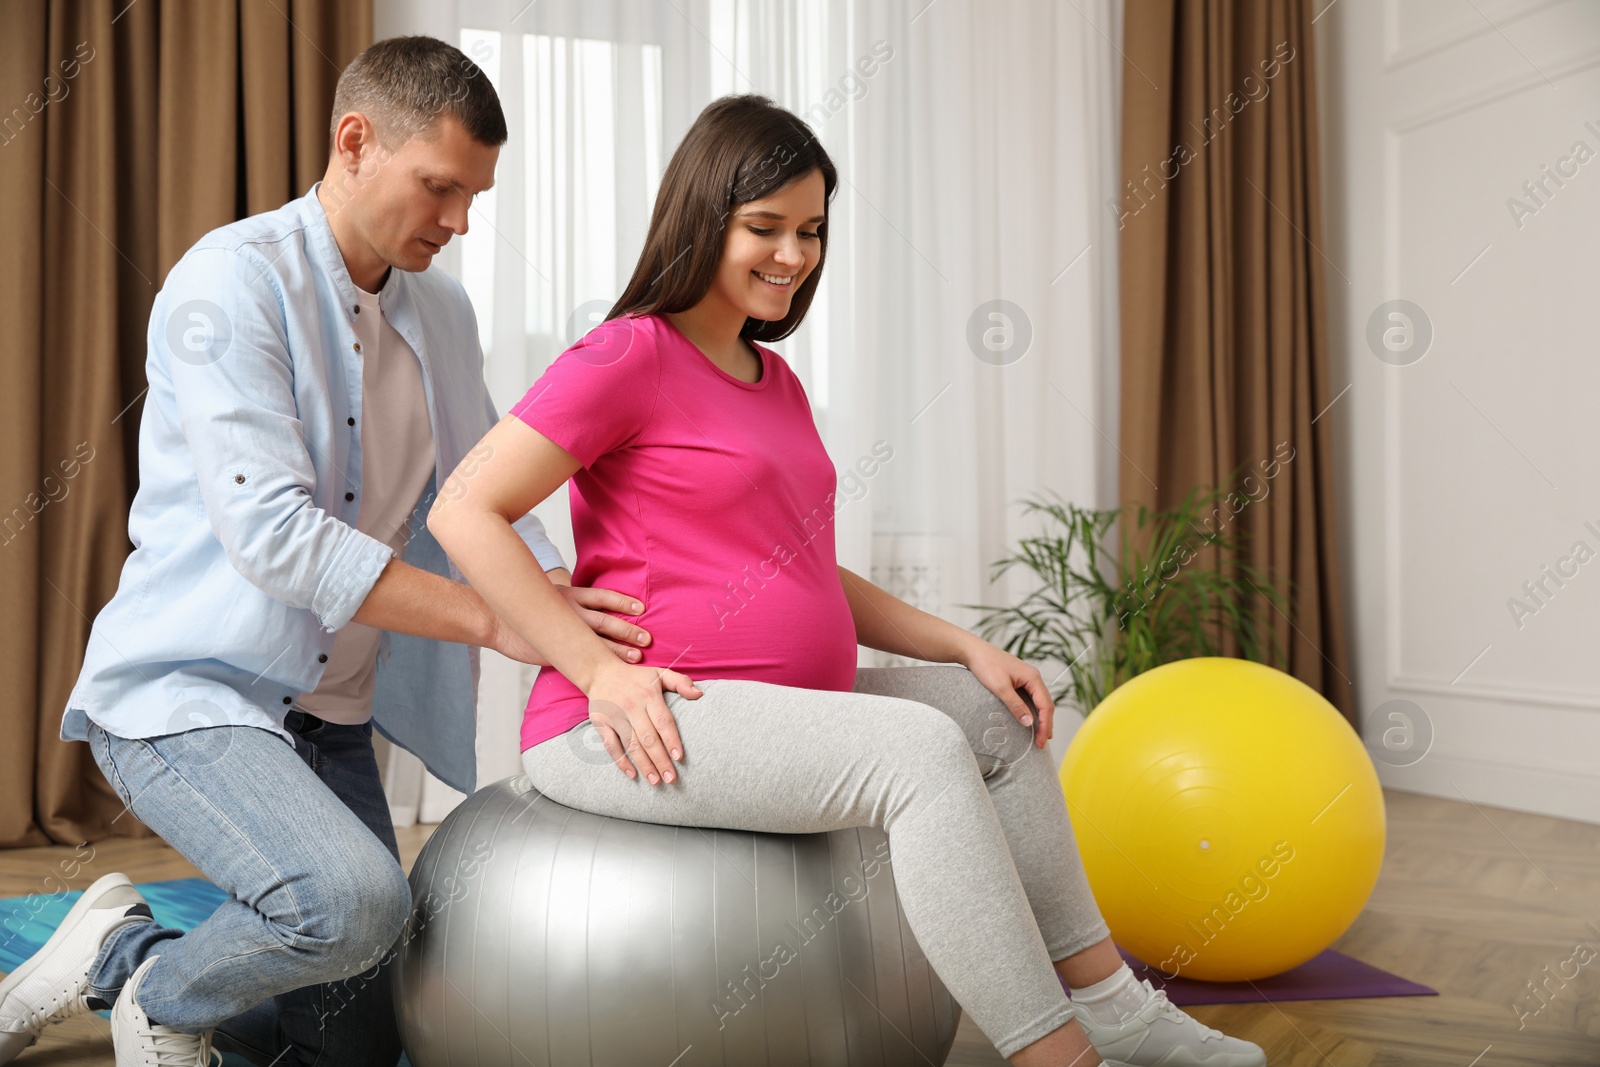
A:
[699,483]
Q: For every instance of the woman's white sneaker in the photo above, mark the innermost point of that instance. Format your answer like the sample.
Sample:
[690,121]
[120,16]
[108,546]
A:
[1159,1034]
[53,984]
[142,1043]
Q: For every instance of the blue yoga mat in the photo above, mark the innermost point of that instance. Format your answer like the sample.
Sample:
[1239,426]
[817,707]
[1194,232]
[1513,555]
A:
[26,923]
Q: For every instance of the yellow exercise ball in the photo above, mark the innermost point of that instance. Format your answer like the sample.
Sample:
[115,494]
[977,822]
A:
[1230,821]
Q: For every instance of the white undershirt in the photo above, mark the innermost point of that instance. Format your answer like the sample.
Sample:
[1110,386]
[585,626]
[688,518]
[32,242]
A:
[397,459]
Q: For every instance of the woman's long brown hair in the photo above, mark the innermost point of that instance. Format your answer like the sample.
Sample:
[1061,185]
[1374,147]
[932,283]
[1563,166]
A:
[741,148]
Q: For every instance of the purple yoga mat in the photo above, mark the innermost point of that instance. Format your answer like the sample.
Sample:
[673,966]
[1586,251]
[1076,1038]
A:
[1329,976]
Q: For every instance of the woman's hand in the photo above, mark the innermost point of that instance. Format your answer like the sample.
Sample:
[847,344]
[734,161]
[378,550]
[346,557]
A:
[1003,674]
[630,714]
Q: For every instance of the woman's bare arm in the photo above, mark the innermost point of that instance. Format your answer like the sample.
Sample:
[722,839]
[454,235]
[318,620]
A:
[887,623]
[471,518]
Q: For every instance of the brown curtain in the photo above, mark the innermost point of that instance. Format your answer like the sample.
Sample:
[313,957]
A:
[129,130]
[1224,331]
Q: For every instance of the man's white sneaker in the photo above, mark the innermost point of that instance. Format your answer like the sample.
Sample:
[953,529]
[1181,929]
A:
[1159,1034]
[142,1043]
[53,984]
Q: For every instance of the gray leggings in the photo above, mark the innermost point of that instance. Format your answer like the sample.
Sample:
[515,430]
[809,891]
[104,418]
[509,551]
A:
[984,860]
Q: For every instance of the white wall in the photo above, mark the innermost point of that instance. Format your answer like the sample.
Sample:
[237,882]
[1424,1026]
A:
[1468,471]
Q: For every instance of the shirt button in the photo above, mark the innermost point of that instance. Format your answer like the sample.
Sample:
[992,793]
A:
[288,700]
[323,658]
[351,420]
[357,346]
[349,496]
[356,309]
[238,479]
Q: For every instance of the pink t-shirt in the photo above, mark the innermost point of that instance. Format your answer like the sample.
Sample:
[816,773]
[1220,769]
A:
[709,498]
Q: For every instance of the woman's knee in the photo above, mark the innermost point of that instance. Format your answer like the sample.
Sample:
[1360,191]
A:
[983,718]
[980,710]
[998,739]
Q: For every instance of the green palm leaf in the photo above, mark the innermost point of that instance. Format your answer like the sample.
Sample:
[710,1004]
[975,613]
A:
[1123,590]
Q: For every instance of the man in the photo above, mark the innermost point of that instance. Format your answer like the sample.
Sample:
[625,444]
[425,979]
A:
[311,380]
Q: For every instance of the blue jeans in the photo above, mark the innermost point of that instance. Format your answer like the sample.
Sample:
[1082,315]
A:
[291,970]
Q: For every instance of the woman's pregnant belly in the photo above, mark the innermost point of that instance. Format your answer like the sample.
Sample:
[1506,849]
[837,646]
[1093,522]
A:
[760,624]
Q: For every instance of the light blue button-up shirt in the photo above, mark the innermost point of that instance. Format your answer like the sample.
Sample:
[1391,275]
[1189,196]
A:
[246,555]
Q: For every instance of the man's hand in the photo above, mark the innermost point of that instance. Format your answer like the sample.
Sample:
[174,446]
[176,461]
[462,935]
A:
[622,635]
[592,606]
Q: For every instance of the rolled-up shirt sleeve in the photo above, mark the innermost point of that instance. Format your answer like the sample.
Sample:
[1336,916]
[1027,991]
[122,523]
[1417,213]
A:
[220,337]
[531,530]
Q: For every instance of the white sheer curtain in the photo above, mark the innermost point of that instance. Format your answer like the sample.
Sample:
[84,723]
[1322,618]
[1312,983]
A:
[976,146]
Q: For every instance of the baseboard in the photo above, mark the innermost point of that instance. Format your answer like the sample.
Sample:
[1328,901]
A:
[1541,790]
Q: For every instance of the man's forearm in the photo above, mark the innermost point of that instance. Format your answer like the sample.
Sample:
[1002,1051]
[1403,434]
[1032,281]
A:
[888,624]
[409,600]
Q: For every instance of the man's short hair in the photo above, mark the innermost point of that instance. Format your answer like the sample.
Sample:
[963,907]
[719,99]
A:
[403,85]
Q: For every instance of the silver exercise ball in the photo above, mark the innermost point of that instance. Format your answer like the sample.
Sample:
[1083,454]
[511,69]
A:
[548,936]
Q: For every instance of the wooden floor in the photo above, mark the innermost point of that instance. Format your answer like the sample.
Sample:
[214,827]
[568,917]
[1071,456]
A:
[1475,902]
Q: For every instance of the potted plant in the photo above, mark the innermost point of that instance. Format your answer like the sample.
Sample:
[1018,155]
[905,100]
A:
[1124,590]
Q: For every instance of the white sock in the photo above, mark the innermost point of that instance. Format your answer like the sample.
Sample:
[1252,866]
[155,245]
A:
[1111,1000]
